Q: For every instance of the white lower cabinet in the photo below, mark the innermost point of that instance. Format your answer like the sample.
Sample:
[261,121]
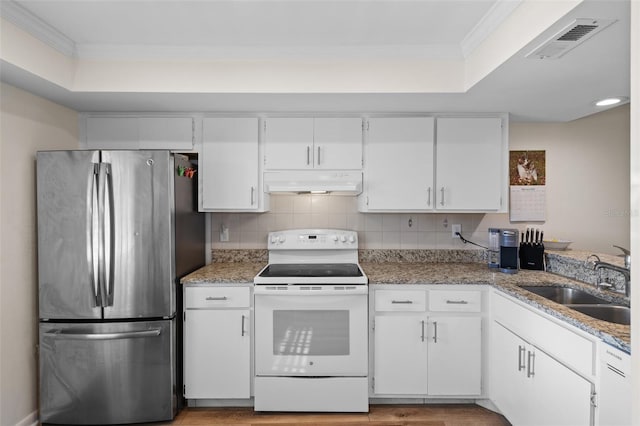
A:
[534,386]
[400,355]
[418,352]
[217,351]
[454,356]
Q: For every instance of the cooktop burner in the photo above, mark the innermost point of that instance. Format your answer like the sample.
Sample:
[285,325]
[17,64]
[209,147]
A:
[292,270]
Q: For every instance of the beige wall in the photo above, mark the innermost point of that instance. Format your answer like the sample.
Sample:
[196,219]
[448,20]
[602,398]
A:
[587,190]
[27,123]
[587,178]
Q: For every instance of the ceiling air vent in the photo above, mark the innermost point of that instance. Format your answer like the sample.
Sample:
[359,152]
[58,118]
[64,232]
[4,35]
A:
[571,36]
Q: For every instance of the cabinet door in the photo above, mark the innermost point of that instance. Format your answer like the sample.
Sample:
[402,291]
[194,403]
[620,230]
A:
[469,163]
[399,164]
[532,388]
[455,355]
[337,143]
[173,133]
[289,143]
[112,133]
[217,354]
[560,396]
[508,369]
[229,169]
[400,355]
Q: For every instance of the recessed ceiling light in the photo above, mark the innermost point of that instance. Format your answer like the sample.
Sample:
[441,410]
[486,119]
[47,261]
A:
[610,101]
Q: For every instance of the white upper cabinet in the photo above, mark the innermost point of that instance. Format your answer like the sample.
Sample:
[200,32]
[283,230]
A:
[303,143]
[172,133]
[229,172]
[470,170]
[398,167]
[427,164]
[337,143]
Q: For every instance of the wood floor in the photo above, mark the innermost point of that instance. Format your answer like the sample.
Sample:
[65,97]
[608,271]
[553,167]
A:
[379,415]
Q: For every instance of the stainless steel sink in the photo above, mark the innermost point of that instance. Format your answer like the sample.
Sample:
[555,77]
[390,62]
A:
[610,313]
[566,296]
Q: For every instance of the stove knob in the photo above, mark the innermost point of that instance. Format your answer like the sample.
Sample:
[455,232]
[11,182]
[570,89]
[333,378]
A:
[282,239]
[352,239]
[343,238]
[274,239]
[334,237]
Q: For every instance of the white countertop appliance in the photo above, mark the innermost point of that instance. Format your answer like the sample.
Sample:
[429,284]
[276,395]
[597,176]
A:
[311,324]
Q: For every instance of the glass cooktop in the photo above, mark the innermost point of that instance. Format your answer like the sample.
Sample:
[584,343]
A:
[315,270]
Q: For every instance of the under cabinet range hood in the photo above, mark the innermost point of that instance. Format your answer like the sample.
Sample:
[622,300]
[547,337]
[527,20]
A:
[313,181]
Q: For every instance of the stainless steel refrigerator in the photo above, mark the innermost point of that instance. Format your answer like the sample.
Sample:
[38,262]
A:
[116,231]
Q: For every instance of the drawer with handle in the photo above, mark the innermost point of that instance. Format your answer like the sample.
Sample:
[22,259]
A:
[401,300]
[217,297]
[455,300]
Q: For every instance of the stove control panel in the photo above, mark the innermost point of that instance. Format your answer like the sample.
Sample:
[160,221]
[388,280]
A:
[315,239]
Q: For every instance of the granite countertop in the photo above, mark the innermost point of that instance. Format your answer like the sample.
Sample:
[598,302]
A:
[475,273]
[225,273]
[243,272]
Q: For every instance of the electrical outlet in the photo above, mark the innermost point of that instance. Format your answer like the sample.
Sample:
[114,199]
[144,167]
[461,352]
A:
[224,233]
[454,229]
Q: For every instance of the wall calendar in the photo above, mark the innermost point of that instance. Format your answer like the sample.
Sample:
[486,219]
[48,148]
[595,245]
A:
[527,183]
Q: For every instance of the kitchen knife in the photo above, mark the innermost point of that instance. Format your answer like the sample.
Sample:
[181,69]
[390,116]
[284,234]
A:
[535,236]
[541,235]
[527,237]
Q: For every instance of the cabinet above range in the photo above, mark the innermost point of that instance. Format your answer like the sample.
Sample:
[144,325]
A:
[303,143]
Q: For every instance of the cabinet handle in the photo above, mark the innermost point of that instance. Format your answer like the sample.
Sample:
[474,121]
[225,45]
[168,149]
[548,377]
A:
[401,302]
[252,194]
[442,198]
[422,337]
[520,357]
[308,154]
[457,302]
[242,326]
[429,196]
[318,156]
[531,360]
[435,332]
[216,298]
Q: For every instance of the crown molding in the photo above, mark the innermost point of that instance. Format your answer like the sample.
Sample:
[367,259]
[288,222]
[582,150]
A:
[27,21]
[498,13]
[442,52]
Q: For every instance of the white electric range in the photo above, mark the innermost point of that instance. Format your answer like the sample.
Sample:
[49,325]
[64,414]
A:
[311,324]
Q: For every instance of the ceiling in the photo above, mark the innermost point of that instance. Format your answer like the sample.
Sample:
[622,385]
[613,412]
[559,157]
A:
[345,47]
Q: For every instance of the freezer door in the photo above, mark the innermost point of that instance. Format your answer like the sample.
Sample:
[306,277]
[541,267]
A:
[67,234]
[139,257]
[107,373]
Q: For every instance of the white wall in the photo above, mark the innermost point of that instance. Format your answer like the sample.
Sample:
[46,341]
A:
[635,205]
[27,123]
[587,190]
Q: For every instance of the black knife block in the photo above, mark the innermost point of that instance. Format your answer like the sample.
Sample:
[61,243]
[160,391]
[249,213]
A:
[532,256]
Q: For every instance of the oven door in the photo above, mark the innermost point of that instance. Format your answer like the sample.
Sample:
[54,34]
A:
[308,331]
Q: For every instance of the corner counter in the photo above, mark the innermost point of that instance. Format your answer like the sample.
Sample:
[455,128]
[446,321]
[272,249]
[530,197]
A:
[450,267]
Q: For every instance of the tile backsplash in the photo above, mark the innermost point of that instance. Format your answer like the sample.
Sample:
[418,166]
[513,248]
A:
[375,230]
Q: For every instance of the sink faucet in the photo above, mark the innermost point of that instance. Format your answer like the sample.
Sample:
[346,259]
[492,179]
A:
[624,270]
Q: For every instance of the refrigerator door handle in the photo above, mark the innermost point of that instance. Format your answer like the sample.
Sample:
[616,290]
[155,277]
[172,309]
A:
[105,208]
[71,335]
[109,232]
[93,236]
